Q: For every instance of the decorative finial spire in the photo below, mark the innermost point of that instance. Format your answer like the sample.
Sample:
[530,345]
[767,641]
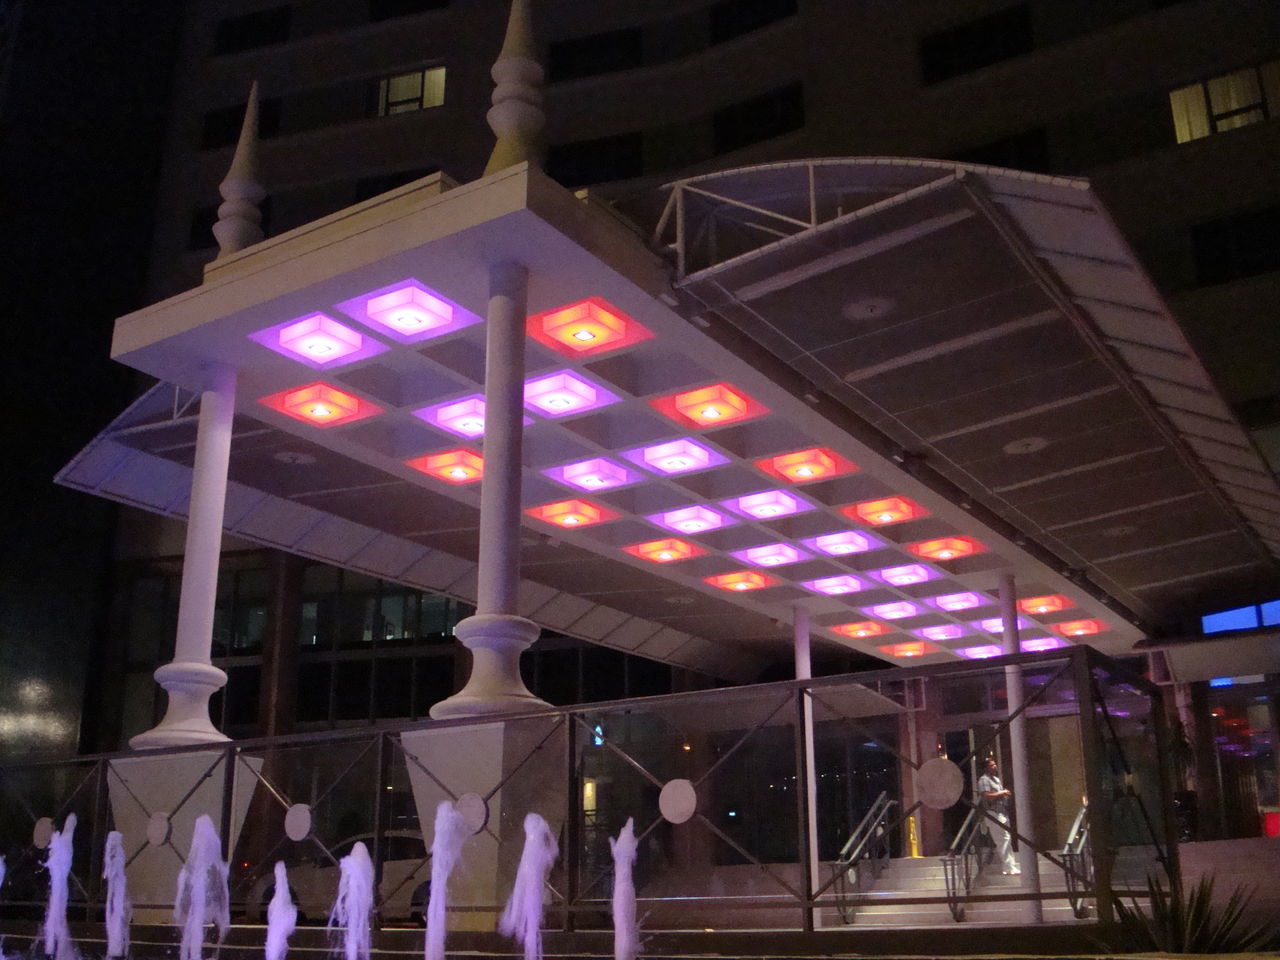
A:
[239,219]
[516,117]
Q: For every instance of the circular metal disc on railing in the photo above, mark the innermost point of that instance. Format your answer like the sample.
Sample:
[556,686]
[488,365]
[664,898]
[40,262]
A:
[158,828]
[939,783]
[474,811]
[42,832]
[678,801]
[297,822]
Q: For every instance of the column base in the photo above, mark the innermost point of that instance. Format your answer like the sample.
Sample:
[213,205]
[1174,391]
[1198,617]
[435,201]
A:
[495,686]
[186,721]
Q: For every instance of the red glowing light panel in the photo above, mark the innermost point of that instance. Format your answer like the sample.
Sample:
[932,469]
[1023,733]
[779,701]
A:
[912,648]
[1049,604]
[947,548]
[742,580]
[453,466]
[863,628]
[586,328]
[320,405]
[879,513]
[709,406]
[804,466]
[572,513]
[1080,628]
[665,551]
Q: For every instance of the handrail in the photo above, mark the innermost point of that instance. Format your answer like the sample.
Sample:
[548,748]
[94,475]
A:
[1077,862]
[869,843]
[960,860]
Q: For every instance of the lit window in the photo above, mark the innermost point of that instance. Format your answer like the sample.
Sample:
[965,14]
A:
[1236,99]
[408,92]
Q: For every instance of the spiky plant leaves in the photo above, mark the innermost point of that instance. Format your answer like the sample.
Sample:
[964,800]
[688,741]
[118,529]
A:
[1186,921]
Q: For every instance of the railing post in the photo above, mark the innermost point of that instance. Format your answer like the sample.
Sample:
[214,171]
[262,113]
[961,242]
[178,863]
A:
[573,824]
[380,805]
[100,811]
[803,811]
[1164,758]
[228,798]
[1099,815]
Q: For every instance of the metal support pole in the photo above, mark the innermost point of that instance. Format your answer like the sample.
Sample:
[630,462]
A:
[1028,859]
[804,671]
[573,827]
[380,815]
[1093,756]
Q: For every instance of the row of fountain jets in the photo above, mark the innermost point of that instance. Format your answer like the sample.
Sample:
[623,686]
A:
[202,896]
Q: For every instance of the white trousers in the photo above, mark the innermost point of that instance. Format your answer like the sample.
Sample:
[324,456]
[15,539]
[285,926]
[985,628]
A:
[1004,844]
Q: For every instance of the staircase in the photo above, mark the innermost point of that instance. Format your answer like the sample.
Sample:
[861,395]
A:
[923,877]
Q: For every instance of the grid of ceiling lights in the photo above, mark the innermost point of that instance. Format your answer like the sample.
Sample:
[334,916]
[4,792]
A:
[409,313]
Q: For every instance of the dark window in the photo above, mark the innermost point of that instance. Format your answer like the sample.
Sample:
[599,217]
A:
[1022,151]
[222,127]
[351,692]
[976,44]
[393,688]
[732,18]
[241,700]
[372,186]
[252,30]
[604,674]
[596,161]
[388,9]
[598,53]
[1241,245]
[433,682]
[760,118]
[313,691]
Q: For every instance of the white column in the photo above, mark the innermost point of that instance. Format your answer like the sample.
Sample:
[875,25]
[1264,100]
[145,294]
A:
[801,631]
[495,635]
[1028,861]
[190,680]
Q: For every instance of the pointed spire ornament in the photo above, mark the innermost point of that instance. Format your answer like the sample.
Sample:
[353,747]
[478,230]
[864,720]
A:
[516,117]
[239,219]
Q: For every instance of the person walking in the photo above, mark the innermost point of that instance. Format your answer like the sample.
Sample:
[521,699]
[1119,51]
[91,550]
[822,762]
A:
[995,800]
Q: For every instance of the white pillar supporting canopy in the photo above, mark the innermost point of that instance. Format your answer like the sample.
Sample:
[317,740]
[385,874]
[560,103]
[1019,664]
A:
[801,636]
[495,635]
[191,679]
[1028,861]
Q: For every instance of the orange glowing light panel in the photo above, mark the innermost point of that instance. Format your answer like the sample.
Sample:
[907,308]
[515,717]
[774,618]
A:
[914,648]
[320,405]
[816,463]
[1050,604]
[1080,628]
[878,513]
[452,466]
[863,628]
[572,513]
[709,406]
[742,580]
[587,327]
[947,548]
[665,551]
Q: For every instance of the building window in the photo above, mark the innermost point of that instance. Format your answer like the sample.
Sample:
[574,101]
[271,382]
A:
[979,43]
[760,118]
[1241,245]
[389,9]
[408,92]
[221,128]
[733,18]
[618,157]
[252,30]
[1028,150]
[599,53]
[1223,103]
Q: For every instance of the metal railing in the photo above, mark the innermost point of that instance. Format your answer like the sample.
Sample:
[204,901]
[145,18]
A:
[1077,862]
[864,854]
[964,862]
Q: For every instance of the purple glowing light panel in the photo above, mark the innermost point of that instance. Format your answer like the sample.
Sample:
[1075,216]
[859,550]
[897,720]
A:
[906,575]
[981,652]
[834,586]
[767,505]
[563,393]
[409,311]
[465,417]
[770,555]
[958,601]
[996,624]
[1039,644]
[941,631]
[675,456]
[842,544]
[695,519]
[318,341]
[892,611]
[596,474]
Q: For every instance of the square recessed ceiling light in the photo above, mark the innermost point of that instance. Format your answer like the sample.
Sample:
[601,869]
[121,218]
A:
[318,341]
[675,456]
[321,405]
[586,328]
[409,311]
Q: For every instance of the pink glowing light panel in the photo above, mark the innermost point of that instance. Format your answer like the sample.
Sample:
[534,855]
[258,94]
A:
[465,416]
[595,474]
[906,575]
[982,652]
[318,341]
[842,543]
[409,311]
[563,393]
[892,611]
[996,624]
[767,505]
[694,519]
[941,631]
[770,555]
[834,586]
[958,601]
[1040,644]
[675,456]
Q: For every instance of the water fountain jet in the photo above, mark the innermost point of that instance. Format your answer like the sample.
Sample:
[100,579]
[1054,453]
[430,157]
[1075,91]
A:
[522,918]
[451,831]
[282,916]
[626,933]
[57,935]
[354,903]
[202,896]
[119,910]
